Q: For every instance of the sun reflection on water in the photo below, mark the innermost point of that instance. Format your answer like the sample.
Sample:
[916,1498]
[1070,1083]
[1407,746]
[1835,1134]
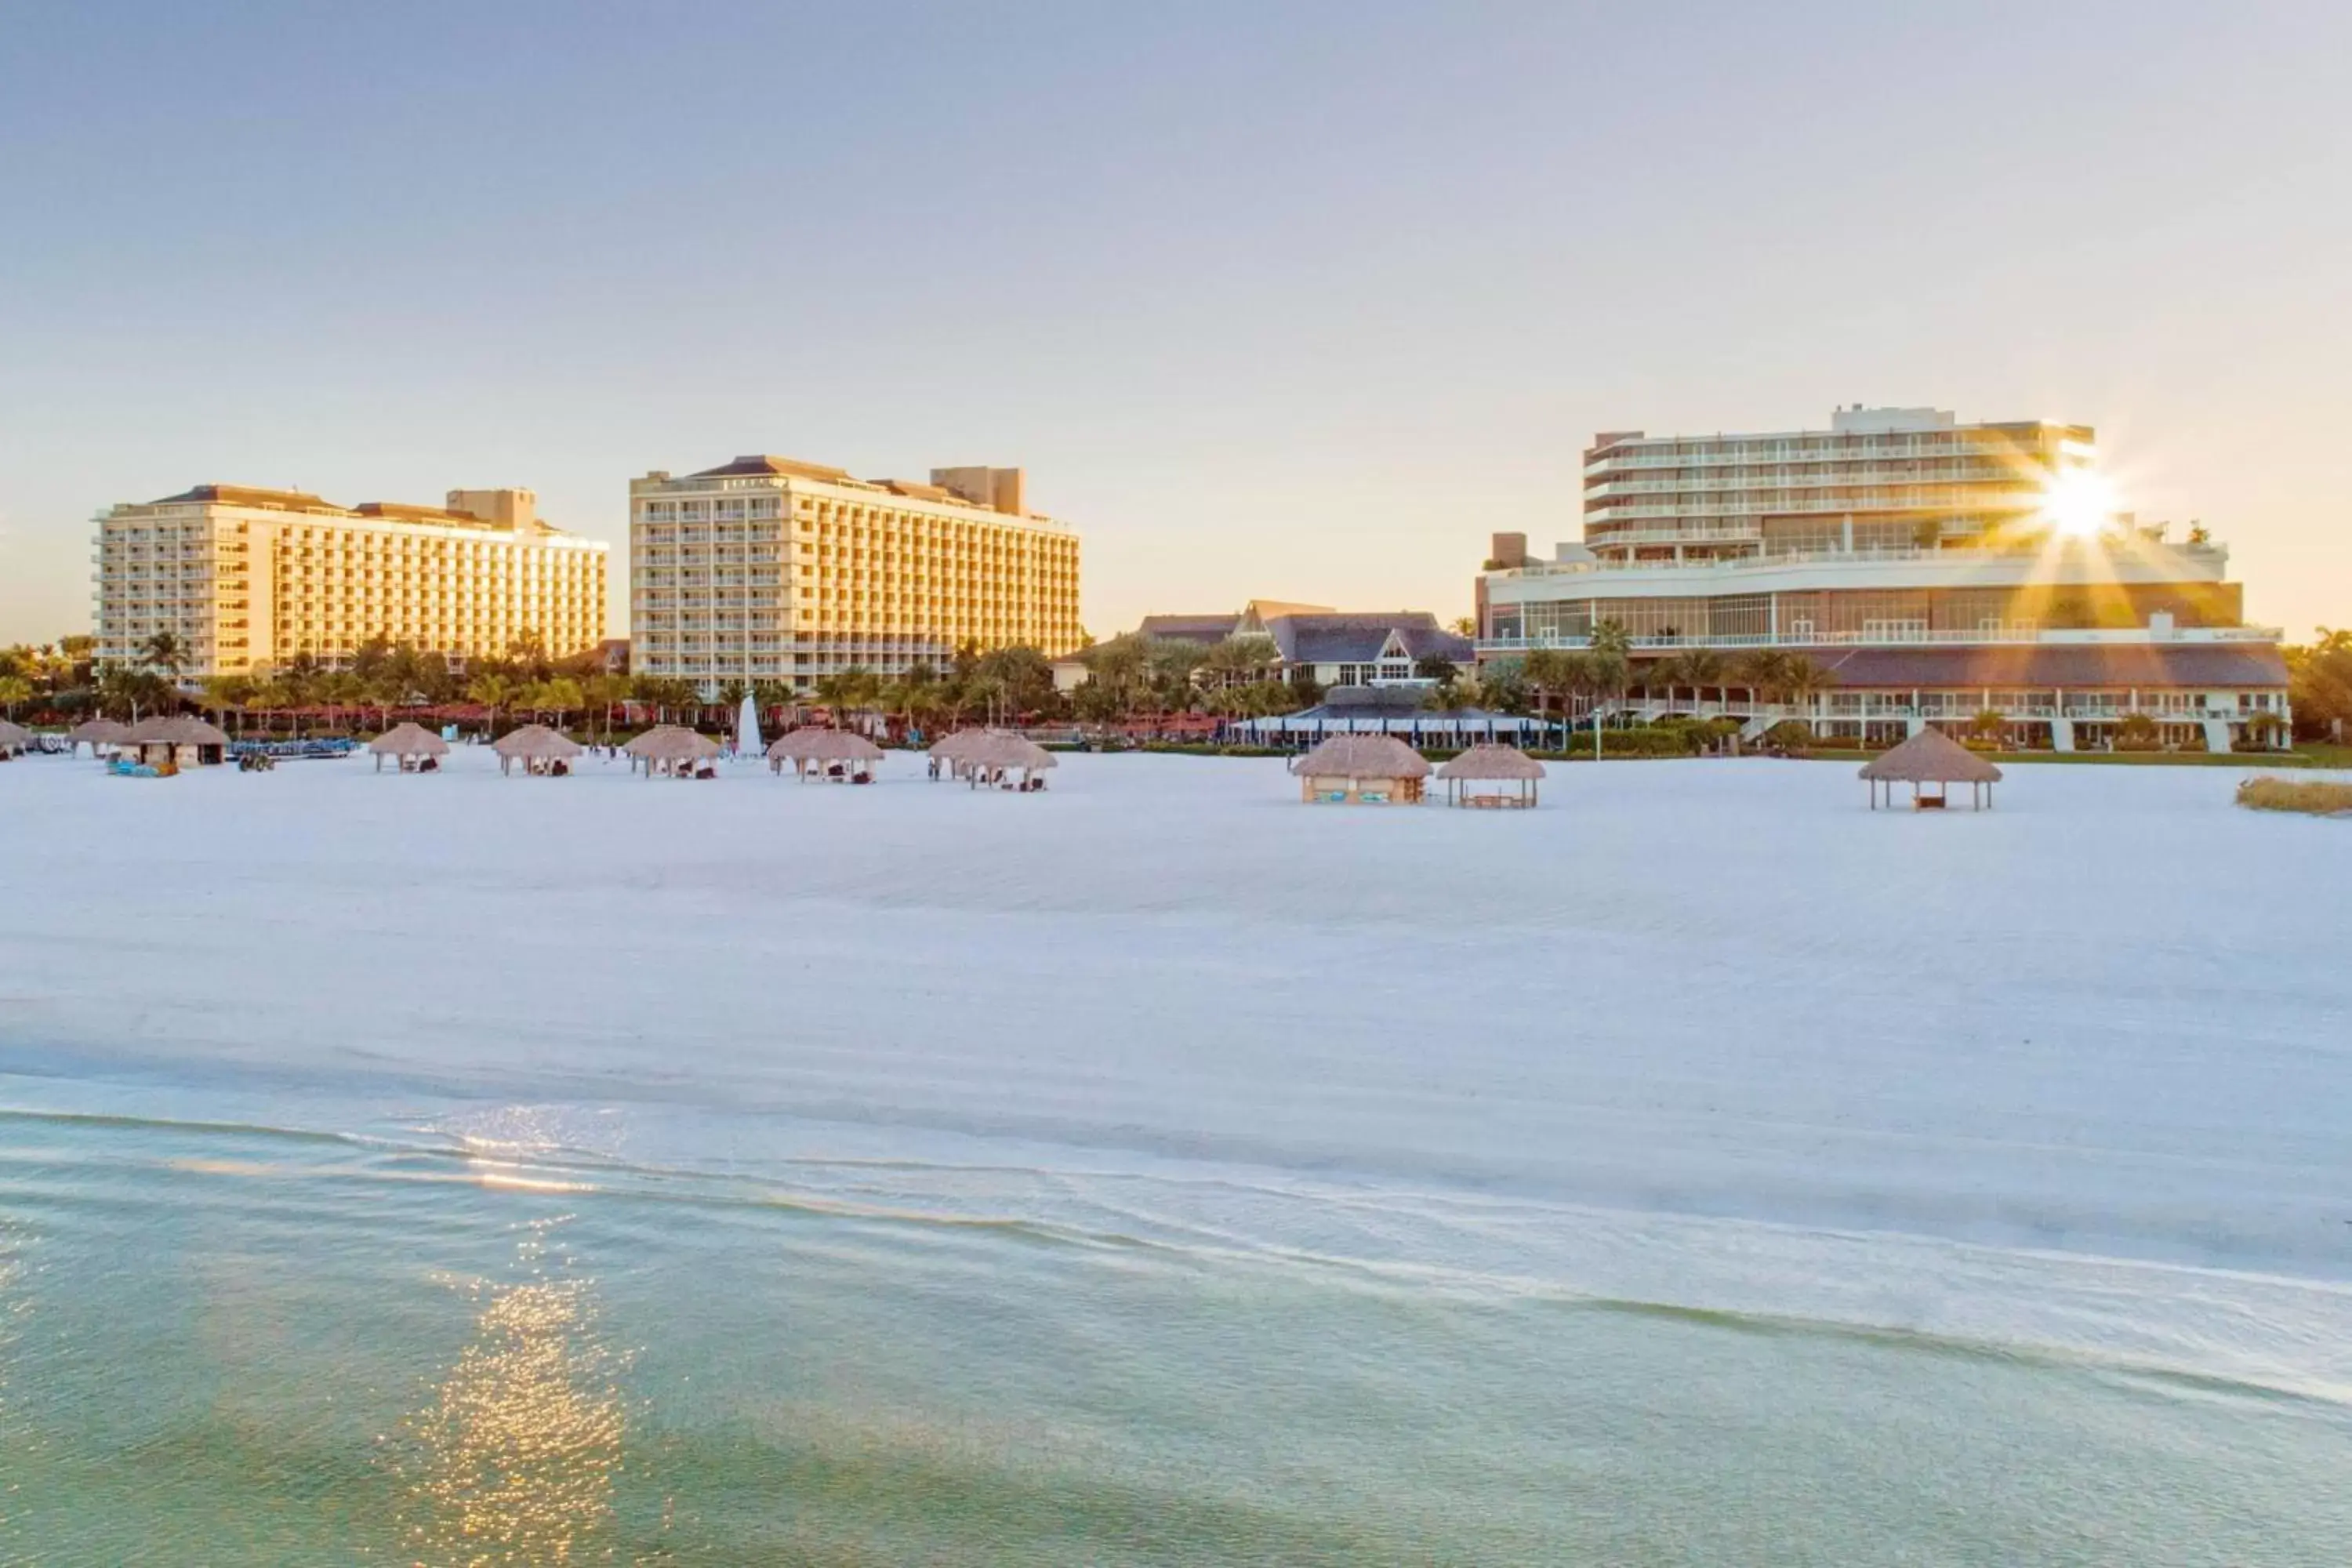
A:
[515,1458]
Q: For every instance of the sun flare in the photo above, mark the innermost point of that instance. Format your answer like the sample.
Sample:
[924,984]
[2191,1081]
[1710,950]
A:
[2079,502]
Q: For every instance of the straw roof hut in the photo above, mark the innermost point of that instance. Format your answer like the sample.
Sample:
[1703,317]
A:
[175,739]
[1491,764]
[98,732]
[536,747]
[1930,757]
[1361,770]
[407,744]
[953,752]
[14,738]
[665,748]
[953,747]
[987,760]
[803,747]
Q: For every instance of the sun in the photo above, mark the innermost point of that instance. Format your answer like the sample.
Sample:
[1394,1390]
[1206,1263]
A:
[2079,502]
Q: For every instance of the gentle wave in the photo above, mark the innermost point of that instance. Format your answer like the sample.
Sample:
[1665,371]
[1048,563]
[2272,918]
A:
[2193,1328]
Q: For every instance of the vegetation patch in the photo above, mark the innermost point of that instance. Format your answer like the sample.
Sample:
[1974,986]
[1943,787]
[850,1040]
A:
[2314,797]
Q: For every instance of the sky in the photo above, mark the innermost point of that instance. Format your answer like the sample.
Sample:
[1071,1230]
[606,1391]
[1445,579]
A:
[1288,300]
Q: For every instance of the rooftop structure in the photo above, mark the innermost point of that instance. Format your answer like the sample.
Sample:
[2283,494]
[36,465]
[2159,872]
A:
[245,577]
[769,568]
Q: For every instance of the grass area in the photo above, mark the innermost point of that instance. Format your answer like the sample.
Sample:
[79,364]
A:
[2316,797]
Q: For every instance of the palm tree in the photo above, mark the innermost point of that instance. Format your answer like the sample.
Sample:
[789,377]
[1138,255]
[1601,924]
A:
[599,692]
[13,689]
[1804,678]
[224,692]
[1549,674]
[1609,662]
[1664,674]
[1701,667]
[493,689]
[1761,671]
[165,654]
[556,697]
[340,689]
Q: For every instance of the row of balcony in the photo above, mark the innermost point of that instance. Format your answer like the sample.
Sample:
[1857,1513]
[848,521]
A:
[1874,473]
[1818,450]
[1897,635]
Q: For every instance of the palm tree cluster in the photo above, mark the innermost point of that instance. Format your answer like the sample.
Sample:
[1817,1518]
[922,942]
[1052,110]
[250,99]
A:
[1567,679]
[1139,679]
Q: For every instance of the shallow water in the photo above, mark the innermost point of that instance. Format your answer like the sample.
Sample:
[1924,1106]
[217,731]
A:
[1061,1215]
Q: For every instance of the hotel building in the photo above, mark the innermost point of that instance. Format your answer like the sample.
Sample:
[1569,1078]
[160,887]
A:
[1936,571]
[771,569]
[250,578]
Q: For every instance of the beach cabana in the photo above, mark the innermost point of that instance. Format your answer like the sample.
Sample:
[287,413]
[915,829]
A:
[950,751]
[1361,770]
[539,749]
[169,743]
[413,748]
[675,751]
[840,755]
[99,734]
[1931,758]
[1493,767]
[15,739]
[990,762]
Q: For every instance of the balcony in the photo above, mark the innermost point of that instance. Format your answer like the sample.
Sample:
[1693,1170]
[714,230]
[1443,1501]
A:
[1900,638]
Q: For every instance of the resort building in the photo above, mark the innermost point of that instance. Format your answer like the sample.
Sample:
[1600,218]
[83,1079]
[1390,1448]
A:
[771,569]
[1382,647]
[247,578]
[1935,571]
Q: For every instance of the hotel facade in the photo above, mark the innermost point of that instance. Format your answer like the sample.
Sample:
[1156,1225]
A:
[773,569]
[247,578]
[1935,570]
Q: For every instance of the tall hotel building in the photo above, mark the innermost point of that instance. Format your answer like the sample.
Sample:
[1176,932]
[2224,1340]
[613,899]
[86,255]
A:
[249,578]
[1935,570]
[770,569]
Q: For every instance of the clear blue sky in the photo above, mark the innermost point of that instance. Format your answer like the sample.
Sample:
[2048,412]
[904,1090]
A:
[1270,300]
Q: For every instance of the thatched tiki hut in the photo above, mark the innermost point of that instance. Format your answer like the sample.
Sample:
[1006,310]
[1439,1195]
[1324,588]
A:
[1495,766]
[175,741]
[1361,770]
[1931,758]
[15,738]
[413,748]
[539,749]
[951,754]
[673,750]
[837,754]
[991,761]
[99,734]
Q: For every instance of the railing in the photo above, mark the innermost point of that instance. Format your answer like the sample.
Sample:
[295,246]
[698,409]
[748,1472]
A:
[2060,636]
[1774,560]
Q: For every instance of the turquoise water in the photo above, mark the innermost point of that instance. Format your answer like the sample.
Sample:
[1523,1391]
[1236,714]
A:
[224,1342]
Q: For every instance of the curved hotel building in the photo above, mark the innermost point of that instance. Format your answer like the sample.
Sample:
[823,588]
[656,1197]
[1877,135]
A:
[1935,570]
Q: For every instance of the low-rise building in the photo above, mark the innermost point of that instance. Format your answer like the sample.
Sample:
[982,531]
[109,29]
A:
[1331,648]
